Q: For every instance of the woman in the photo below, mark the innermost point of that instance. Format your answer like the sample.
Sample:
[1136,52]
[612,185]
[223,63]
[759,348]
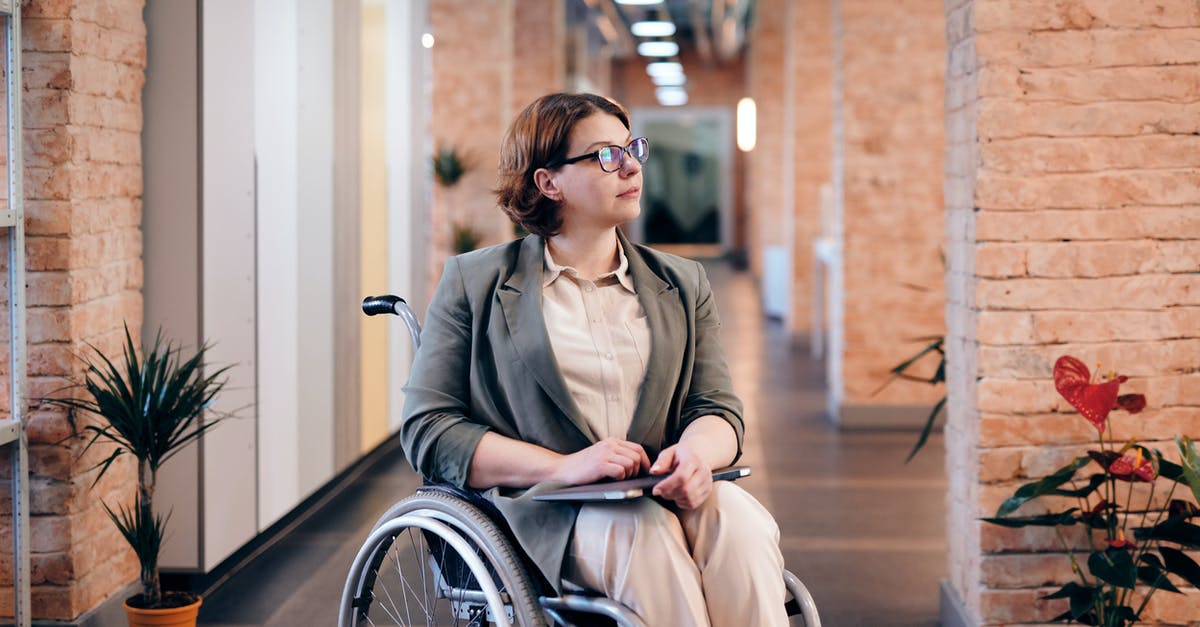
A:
[571,356]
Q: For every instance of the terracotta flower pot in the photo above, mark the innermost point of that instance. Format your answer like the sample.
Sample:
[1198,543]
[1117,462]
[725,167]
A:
[172,617]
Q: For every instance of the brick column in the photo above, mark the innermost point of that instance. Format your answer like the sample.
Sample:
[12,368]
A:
[539,50]
[892,66]
[765,84]
[83,73]
[471,109]
[1072,185]
[810,42]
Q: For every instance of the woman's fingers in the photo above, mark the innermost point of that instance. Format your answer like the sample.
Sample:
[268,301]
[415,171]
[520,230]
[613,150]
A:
[639,455]
[665,461]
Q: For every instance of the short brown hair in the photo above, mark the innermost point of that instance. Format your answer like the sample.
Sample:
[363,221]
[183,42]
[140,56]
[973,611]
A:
[539,136]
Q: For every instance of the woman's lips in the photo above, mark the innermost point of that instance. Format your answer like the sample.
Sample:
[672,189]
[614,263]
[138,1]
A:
[630,193]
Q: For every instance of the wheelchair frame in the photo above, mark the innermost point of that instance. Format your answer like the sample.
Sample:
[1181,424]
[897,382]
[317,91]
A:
[449,518]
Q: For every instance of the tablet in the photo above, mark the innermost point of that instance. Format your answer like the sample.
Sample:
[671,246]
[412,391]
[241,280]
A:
[629,488]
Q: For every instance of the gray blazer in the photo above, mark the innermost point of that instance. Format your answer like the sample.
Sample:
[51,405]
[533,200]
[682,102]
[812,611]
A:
[486,363]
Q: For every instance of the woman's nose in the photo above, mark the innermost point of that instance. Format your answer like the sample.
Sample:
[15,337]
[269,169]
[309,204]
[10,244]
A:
[630,165]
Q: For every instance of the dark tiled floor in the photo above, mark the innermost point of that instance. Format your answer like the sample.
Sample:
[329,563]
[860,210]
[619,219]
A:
[862,529]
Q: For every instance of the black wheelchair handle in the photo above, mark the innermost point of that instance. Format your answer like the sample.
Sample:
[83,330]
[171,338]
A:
[385,304]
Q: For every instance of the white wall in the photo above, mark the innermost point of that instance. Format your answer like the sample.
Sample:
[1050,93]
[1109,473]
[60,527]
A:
[227,491]
[249,265]
[293,105]
[409,190]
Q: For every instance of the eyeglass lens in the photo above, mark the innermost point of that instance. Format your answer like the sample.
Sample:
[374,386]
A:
[611,157]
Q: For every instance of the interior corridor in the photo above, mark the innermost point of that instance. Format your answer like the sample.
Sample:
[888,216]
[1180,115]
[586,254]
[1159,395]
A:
[861,528]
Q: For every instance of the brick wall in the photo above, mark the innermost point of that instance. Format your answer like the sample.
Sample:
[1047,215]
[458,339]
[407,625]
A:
[765,57]
[539,50]
[471,108]
[1071,190]
[489,61]
[83,73]
[893,59]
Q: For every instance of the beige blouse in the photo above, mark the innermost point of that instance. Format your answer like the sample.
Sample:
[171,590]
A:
[601,342]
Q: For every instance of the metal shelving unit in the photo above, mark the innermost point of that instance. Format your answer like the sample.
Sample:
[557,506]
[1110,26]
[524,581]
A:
[12,220]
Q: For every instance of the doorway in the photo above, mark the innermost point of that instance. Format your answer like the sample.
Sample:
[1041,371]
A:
[687,187]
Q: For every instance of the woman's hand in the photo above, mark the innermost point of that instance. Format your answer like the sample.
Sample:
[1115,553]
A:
[610,458]
[690,482]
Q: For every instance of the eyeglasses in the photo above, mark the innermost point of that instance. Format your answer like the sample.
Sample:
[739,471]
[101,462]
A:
[611,158]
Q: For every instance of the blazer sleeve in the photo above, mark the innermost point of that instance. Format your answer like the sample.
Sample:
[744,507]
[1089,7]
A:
[437,433]
[710,391]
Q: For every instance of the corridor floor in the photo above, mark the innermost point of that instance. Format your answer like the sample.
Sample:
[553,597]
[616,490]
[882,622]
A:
[861,528]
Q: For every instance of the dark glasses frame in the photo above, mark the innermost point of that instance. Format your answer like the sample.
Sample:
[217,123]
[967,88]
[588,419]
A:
[622,152]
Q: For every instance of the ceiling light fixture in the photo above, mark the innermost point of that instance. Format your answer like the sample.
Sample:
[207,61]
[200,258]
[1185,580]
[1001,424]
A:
[664,68]
[671,96]
[658,48]
[652,28]
[639,2]
[669,80]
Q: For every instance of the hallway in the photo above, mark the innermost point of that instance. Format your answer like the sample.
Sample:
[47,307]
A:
[864,531]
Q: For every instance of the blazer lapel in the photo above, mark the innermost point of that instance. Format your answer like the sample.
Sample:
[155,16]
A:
[668,336]
[521,300]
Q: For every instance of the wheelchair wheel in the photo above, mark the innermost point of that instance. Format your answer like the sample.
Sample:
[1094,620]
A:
[435,559]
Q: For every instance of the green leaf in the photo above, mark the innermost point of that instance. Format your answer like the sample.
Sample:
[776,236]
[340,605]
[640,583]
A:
[1154,574]
[1191,463]
[1094,482]
[1177,562]
[1114,566]
[1175,530]
[1042,487]
[925,431]
[1083,599]
[1065,519]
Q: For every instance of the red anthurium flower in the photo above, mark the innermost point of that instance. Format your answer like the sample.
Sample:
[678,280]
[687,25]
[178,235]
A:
[1073,381]
[1121,542]
[1132,467]
[1132,403]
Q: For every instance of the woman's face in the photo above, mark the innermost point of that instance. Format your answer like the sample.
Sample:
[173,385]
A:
[591,197]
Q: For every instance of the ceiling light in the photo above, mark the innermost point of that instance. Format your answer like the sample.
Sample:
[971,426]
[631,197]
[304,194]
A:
[664,68]
[639,2]
[671,96]
[658,48]
[669,80]
[652,28]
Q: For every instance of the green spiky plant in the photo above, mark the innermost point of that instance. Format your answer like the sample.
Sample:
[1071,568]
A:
[151,408]
[449,165]
[900,371]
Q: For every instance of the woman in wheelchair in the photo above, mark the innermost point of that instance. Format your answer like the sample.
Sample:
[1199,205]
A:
[571,356]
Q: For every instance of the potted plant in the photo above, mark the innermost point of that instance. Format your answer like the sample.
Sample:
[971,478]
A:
[151,408]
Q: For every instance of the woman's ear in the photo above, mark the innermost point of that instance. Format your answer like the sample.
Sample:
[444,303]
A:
[547,184]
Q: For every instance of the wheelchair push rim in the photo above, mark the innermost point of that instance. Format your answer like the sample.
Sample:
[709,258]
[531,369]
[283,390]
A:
[437,560]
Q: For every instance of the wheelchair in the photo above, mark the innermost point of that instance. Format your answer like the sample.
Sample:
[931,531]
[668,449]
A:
[444,556]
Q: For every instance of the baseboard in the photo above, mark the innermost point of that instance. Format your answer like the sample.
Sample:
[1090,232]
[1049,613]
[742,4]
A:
[952,612]
[885,417]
